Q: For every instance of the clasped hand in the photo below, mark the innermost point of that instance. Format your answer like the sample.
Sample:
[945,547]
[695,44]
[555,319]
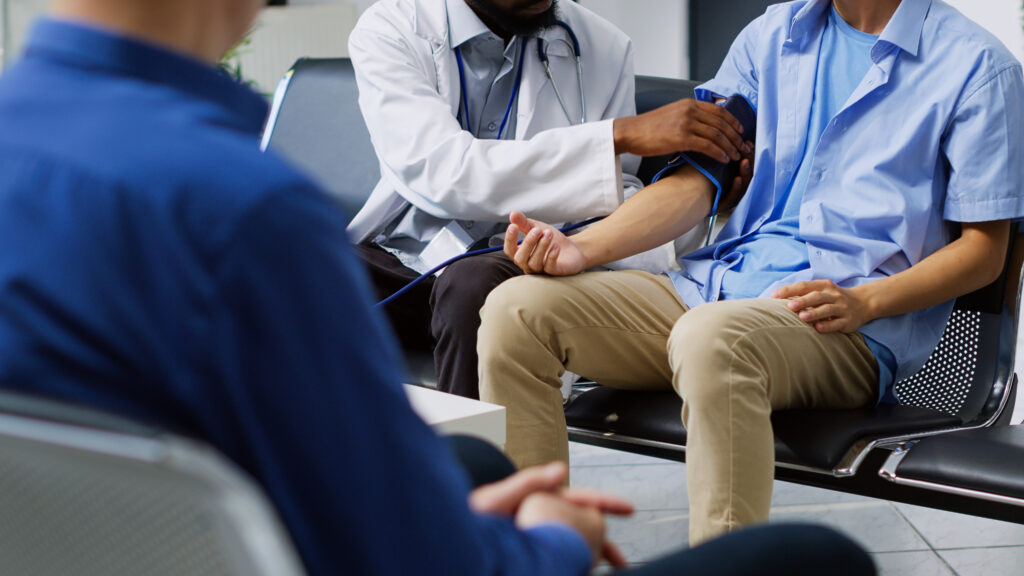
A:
[535,496]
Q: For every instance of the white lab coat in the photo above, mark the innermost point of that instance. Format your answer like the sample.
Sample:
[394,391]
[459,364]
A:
[409,93]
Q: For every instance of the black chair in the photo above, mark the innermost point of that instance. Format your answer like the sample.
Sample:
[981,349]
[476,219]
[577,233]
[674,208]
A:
[315,123]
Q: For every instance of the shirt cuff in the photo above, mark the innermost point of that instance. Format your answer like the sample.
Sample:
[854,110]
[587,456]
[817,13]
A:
[564,542]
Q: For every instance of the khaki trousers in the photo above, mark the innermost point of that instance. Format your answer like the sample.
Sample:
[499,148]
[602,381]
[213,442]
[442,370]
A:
[732,362]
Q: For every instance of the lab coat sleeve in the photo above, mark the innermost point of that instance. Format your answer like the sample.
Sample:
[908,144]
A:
[621,104]
[559,175]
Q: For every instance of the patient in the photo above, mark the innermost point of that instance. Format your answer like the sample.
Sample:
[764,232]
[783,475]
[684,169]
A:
[155,265]
[883,127]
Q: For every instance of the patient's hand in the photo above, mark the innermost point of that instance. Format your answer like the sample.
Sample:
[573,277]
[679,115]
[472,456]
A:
[544,250]
[827,306]
[741,182]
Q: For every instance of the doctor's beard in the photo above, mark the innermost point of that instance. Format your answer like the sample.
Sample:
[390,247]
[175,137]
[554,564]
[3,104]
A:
[513,21]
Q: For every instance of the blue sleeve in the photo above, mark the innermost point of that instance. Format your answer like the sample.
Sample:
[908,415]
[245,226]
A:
[738,73]
[313,408]
[983,146]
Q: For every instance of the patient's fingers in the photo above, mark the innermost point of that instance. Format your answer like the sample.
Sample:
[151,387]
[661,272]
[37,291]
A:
[520,220]
[550,263]
[526,249]
[511,239]
[540,253]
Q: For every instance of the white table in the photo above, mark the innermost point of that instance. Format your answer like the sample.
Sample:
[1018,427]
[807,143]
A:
[450,414]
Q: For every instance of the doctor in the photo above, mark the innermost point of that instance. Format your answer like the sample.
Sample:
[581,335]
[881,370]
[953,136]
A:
[479,107]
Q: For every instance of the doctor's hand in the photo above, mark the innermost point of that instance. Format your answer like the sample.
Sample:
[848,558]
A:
[683,126]
[544,249]
[827,306]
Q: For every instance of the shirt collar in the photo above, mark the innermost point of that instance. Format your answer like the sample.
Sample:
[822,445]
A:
[88,47]
[903,30]
[463,23]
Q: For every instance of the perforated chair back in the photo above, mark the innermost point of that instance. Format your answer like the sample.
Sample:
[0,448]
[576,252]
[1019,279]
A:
[316,125]
[968,373]
[89,495]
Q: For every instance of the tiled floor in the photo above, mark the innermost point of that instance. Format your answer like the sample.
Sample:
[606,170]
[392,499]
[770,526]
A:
[904,540]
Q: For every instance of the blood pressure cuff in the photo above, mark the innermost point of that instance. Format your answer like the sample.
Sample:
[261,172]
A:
[719,173]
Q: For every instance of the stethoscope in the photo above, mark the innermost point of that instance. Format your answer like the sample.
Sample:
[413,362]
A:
[542,55]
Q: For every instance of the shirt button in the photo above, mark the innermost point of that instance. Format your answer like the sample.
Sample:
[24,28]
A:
[469,225]
[820,253]
[492,126]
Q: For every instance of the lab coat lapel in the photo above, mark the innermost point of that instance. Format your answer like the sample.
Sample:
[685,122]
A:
[537,104]
[447,70]
[431,23]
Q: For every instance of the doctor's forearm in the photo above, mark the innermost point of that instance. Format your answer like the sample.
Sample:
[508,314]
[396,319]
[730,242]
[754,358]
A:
[657,214]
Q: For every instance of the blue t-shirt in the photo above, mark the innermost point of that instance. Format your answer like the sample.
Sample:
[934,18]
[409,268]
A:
[154,264]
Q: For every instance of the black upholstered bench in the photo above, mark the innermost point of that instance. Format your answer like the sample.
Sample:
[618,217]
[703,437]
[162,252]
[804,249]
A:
[949,444]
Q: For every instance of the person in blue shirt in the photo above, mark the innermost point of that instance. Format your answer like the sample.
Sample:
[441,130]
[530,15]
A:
[883,126]
[155,265]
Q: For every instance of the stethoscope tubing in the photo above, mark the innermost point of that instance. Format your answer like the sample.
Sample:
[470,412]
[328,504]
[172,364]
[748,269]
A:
[543,57]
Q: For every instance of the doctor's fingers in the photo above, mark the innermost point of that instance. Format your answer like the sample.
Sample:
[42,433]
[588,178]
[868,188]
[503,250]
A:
[719,118]
[710,141]
[721,113]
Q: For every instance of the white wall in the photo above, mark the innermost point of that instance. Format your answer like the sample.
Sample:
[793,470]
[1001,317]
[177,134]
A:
[658,29]
[1001,17]
[16,17]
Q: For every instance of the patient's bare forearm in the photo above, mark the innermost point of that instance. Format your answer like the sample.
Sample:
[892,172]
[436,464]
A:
[970,262]
[657,214]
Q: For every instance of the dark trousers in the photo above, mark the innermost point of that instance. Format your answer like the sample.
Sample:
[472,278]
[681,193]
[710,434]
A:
[441,314]
[768,550]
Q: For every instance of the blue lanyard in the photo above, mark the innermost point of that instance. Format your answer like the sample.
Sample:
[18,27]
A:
[515,91]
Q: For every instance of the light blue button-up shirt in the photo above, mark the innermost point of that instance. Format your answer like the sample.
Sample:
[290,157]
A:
[933,134]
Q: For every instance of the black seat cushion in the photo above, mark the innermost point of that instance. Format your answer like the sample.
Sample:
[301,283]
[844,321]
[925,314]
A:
[986,459]
[821,438]
[816,438]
